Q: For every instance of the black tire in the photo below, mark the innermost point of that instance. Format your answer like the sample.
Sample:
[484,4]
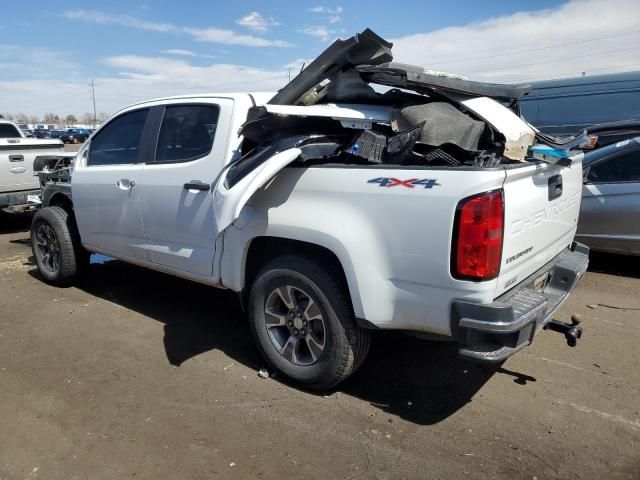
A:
[345,344]
[73,259]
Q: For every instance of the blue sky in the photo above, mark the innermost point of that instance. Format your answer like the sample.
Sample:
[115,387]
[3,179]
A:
[49,53]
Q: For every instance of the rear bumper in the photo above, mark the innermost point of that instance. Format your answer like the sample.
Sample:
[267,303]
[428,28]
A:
[17,199]
[495,331]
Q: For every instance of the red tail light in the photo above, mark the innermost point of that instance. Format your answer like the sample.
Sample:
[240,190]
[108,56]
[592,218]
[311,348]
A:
[477,237]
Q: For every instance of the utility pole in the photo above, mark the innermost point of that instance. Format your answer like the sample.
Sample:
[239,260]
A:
[93,95]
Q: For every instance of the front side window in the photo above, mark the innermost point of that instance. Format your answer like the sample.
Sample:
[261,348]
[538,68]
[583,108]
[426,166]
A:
[118,143]
[624,168]
[187,132]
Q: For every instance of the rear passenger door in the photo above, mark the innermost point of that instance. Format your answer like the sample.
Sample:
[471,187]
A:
[177,197]
[611,203]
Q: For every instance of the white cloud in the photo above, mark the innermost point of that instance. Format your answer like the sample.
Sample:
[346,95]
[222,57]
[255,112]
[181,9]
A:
[103,18]
[322,9]
[319,31]
[179,51]
[211,34]
[256,21]
[229,37]
[138,78]
[331,15]
[510,48]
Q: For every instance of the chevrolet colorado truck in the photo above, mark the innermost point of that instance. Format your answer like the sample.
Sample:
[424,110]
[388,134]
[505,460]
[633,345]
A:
[334,208]
[19,189]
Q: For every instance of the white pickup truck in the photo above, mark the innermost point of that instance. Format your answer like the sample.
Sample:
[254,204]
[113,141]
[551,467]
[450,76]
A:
[19,188]
[334,209]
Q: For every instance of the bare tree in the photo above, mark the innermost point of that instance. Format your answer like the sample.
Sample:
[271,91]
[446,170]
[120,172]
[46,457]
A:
[86,118]
[51,118]
[8,116]
[102,117]
[70,120]
[34,119]
[21,118]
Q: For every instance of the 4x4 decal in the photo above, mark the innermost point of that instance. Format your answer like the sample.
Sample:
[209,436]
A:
[411,183]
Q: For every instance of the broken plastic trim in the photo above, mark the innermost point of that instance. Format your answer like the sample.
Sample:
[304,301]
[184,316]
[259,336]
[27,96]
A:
[363,48]
[413,77]
[311,147]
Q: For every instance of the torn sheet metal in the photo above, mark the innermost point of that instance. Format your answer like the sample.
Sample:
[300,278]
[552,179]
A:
[349,115]
[228,202]
[519,136]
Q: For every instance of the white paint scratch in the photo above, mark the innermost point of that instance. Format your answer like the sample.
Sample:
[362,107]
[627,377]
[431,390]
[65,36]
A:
[557,362]
[634,424]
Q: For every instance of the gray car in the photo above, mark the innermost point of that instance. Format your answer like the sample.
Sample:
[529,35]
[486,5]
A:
[610,212]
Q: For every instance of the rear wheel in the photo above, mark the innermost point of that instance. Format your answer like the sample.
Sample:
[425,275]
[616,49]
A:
[303,323]
[56,246]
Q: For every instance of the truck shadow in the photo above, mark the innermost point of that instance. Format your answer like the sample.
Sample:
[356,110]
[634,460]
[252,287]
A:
[615,264]
[14,222]
[419,381]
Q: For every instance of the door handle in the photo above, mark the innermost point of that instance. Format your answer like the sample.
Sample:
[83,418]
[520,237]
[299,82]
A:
[197,185]
[16,158]
[125,184]
[555,187]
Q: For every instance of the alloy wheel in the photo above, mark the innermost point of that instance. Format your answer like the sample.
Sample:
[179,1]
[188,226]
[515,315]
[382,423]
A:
[295,325]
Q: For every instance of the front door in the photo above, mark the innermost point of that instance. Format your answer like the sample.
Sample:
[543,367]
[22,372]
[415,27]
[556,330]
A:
[106,187]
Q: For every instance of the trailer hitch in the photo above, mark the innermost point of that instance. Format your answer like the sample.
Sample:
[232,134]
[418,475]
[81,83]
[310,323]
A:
[572,331]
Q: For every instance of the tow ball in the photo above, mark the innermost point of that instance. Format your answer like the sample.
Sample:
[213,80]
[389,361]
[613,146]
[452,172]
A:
[572,331]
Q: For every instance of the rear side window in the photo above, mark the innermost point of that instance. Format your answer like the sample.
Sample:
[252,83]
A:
[8,131]
[118,142]
[624,168]
[187,132]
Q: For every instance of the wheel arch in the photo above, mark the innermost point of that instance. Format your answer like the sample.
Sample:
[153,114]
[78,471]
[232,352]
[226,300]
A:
[262,249]
[59,199]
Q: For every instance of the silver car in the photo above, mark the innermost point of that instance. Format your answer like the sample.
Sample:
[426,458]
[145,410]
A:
[610,212]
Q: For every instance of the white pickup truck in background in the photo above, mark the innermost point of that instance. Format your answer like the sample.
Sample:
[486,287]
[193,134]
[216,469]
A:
[19,188]
[334,209]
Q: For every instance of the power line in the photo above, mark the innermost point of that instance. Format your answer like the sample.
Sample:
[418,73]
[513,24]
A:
[579,73]
[534,49]
[555,60]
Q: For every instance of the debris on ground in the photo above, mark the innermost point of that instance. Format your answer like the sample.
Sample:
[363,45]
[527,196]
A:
[263,373]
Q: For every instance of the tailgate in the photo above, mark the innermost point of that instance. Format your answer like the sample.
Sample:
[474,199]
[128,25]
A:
[542,203]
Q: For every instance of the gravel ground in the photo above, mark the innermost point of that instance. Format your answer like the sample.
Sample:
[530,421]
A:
[138,374]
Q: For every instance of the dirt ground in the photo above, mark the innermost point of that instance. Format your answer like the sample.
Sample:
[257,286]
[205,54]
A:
[138,374]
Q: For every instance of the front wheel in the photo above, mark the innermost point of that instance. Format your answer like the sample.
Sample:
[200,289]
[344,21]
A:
[303,323]
[56,246]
